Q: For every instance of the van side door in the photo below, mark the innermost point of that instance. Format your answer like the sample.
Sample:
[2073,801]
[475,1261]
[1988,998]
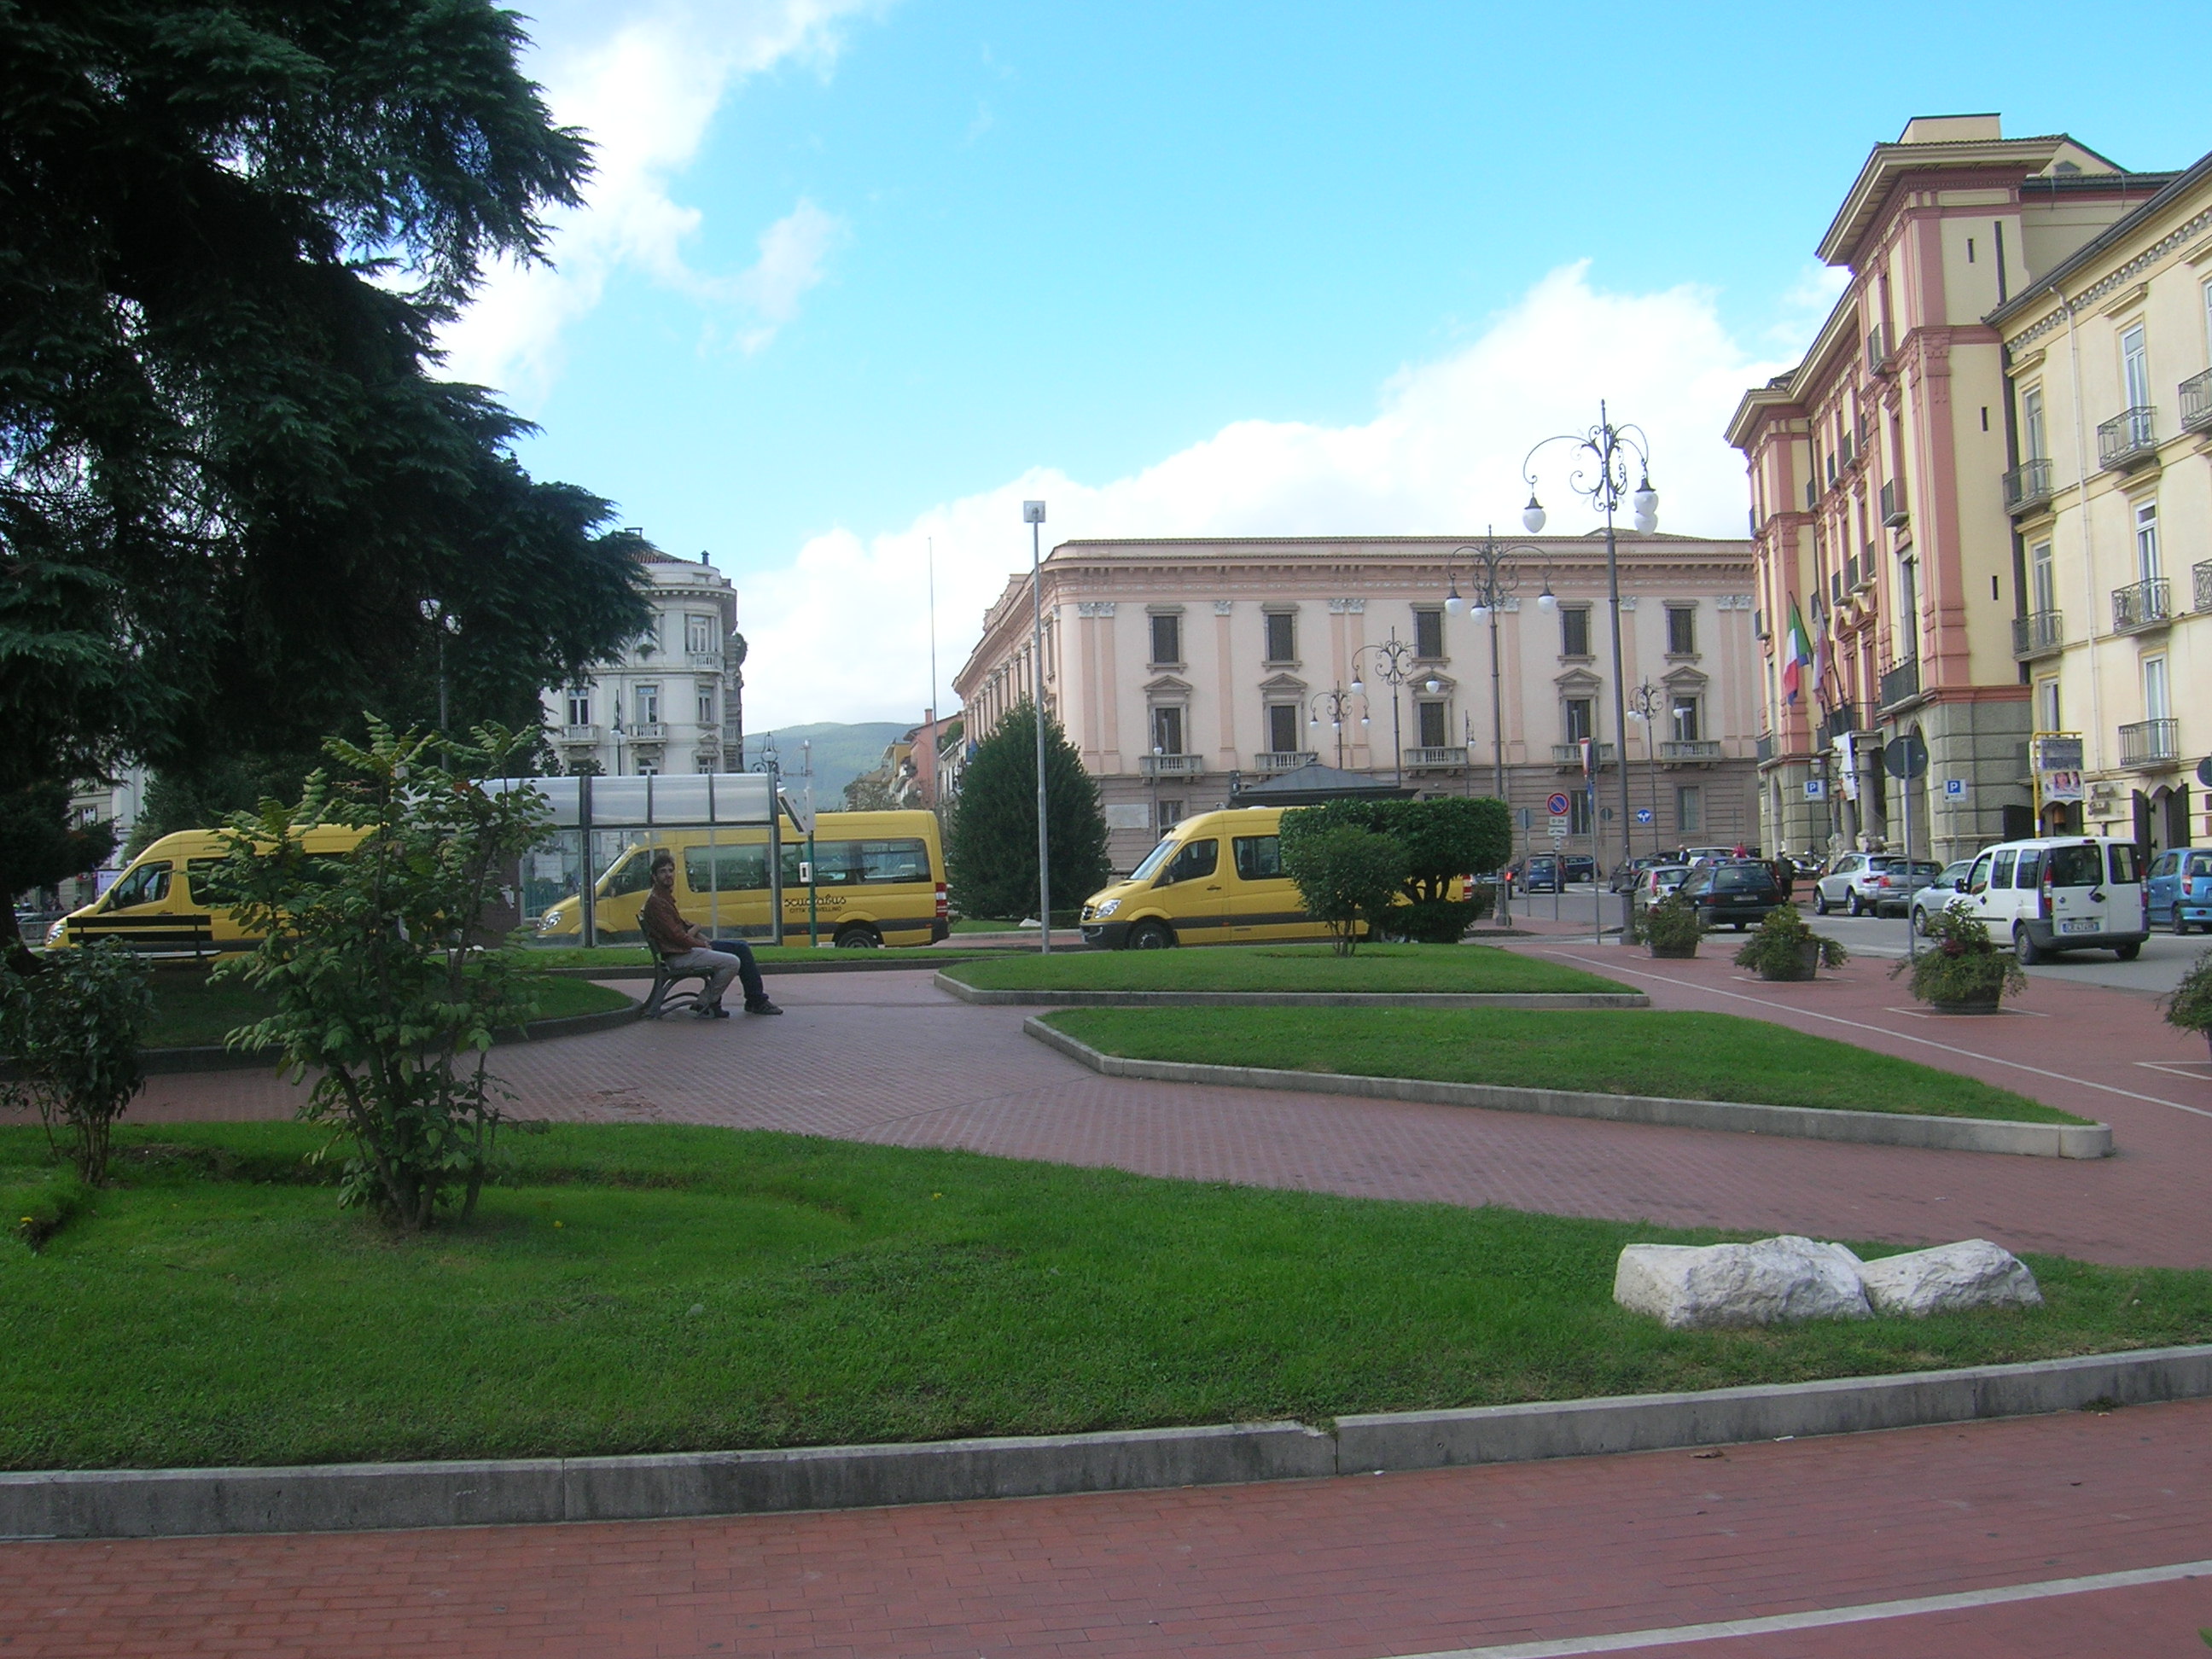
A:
[1263,901]
[1194,892]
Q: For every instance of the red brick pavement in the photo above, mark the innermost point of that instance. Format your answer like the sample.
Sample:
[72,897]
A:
[1396,1565]
[886,1058]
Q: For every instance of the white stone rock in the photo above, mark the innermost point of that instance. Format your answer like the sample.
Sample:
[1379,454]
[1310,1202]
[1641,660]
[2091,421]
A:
[1691,1287]
[1972,1275]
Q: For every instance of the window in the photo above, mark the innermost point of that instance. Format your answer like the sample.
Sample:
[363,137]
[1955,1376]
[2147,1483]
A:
[2043,577]
[1258,858]
[1168,814]
[2135,366]
[1690,809]
[1578,719]
[1578,812]
[726,869]
[1682,630]
[2208,317]
[148,884]
[1167,731]
[699,636]
[1197,860]
[1282,636]
[580,705]
[2156,706]
[2030,870]
[1433,732]
[861,863]
[1428,635]
[2125,862]
[1908,609]
[2031,440]
[2000,871]
[1282,727]
[1574,630]
[634,874]
[648,705]
[2075,866]
[2147,541]
[1167,640]
[1686,720]
[2047,716]
[706,703]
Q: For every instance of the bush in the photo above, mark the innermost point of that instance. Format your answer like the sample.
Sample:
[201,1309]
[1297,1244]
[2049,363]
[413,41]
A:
[1433,921]
[1672,925]
[1442,841]
[992,851]
[1961,964]
[72,1031]
[1777,947]
[381,981]
[1345,875]
[2189,1006]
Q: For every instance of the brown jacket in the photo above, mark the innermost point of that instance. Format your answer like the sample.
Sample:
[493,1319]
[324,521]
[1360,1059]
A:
[665,927]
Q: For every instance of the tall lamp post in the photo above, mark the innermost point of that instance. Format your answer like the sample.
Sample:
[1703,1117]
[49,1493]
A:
[1645,704]
[1392,660]
[1492,574]
[448,624]
[1033,516]
[1338,703]
[1601,473]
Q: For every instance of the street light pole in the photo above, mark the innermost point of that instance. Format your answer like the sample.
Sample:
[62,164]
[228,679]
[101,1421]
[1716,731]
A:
[1033,515]
[1607,449]
[1393,659]
[1339,704]
[1492,574]
[1644,704]
[447,624]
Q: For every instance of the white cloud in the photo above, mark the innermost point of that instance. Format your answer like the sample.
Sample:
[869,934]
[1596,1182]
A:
[647,94]
[1442,456]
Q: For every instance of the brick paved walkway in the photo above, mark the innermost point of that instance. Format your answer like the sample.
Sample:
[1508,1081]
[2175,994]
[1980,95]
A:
[1397,1565]
[885,1057]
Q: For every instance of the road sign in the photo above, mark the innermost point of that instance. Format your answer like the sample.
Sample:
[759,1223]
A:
[1644,815]
[1558,828]
[1906,757]
[1557,807]
[1954,789]
[2204,771]
[1816,789]
[1528,817]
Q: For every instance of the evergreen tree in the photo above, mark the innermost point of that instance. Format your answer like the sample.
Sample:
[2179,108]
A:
[993,855]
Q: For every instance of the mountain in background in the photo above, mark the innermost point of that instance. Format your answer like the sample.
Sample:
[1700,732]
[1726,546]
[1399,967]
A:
[841,753]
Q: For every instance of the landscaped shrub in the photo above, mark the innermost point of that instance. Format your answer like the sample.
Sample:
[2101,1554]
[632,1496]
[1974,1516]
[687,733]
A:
[1962,965]
[2190,1006]
[71,1032]
[1778,948]
[1344,875]
[1442,841]
[1671,926]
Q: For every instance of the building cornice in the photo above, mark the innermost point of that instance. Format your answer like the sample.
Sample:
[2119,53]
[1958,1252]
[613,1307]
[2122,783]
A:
[2006,318]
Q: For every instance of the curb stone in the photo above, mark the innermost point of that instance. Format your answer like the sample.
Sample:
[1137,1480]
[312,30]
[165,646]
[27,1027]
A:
[362,1497]
[166,1062]
[1530,1000]
[1966,1134]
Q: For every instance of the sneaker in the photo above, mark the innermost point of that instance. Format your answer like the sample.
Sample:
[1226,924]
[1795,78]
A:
[763,1006]
[710,1010]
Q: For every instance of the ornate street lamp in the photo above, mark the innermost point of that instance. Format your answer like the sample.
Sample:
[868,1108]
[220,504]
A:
[1338,703]
[1600,474]
[1033,516]
[1645,704]
[1492,574]
[1393,660]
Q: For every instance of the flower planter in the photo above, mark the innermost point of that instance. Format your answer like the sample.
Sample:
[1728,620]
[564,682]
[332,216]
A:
[1986,1003]
[1808,965]
[1675,953]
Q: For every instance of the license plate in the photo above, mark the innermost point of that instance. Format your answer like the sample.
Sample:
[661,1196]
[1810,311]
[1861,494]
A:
[2087,927]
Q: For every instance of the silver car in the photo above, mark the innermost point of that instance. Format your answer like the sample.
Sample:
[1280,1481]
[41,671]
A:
[1935,896]
[1848,887]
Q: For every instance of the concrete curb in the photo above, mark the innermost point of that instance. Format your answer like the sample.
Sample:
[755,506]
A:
[1958,1134]
[897,959]
[167,1062]
[362,1497]
[1533,999]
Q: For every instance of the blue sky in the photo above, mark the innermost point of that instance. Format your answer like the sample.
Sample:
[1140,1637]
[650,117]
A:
[858,276]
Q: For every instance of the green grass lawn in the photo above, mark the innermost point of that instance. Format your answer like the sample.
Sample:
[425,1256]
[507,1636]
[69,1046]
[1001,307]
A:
[1282,968]
[636,956]
[190,1012]
[650,1288]
[1615,1051]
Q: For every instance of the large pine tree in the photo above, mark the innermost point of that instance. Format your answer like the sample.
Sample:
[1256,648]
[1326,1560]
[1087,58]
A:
[993,861]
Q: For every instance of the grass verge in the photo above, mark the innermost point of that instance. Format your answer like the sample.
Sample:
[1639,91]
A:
[1612,1051]
[656,1288]
[1282,968]
[635,955]
[191,1012]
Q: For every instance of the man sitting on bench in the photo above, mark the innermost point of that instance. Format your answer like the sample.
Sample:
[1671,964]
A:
[683,949]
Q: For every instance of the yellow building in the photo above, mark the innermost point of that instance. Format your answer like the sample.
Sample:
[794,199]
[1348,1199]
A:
[2110,360]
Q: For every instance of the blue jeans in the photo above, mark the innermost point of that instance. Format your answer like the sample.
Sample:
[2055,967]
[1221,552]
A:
[748,973]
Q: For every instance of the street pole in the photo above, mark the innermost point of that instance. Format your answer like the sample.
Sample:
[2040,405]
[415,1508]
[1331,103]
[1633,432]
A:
[1033,513]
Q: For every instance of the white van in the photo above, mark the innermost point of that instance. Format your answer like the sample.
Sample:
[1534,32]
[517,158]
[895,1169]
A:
[2066,893]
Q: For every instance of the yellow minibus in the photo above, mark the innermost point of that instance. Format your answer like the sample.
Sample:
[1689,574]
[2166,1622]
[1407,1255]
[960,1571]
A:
[158,905]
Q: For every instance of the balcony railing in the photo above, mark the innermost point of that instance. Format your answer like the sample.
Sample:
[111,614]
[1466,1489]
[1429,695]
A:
[647,732]
[1172,766]
[1840,720]
[1764,750]
[1893,514]
[710,660]
[579,734]
[1281,760]
[1900,683]
[2200,577]
[2038,634]
[2150,743]
[1690,749]
[1433,759]
[2126,440]
[2140,606]
[1879,350]
[1851,575]
[2027,485]
[1571,754]
[2197,402]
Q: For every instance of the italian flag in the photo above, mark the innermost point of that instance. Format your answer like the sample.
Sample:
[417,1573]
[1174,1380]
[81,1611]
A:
[1797,656]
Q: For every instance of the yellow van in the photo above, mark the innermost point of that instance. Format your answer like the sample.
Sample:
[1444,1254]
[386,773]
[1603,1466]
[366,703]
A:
[879,879]
[1214,878]
[154,905]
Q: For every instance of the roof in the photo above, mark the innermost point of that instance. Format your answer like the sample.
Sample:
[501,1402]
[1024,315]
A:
[1885,164]
[1314,783]
[2093,252]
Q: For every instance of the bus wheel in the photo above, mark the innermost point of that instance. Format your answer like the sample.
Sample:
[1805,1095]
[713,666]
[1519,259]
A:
[1150,936]
[859,936]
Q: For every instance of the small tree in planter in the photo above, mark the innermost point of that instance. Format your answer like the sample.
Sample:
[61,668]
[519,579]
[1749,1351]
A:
[71,1031]
[1786,948]
[1962,971]
[1671,927]
[1344,875]
[2190,1006]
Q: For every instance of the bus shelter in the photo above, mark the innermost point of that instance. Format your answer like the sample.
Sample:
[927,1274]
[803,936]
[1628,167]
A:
[583,883]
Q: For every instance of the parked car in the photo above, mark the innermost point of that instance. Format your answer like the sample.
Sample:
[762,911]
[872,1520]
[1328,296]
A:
[1849,883]
[1894,889]
[1580,866]
[2181,888]
[2064,893]
[1628,876]
[1735,893]
[1539,873]
[1949,883]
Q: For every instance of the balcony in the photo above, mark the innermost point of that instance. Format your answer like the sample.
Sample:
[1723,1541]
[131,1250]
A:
[1690,749]
[2140,606]
[1882,355]
[1839,721]
[647,732]
[2125,441]
[1571,754]
[1172,766]
[1279,760]
[1893,516]
[2200,576]
[2150,743]
[2037,634]
[1851,575]
[2196,402]
[587,736]
[1436,760]
[2028,486]
[1900,683]
[705,660]
[1763,752]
